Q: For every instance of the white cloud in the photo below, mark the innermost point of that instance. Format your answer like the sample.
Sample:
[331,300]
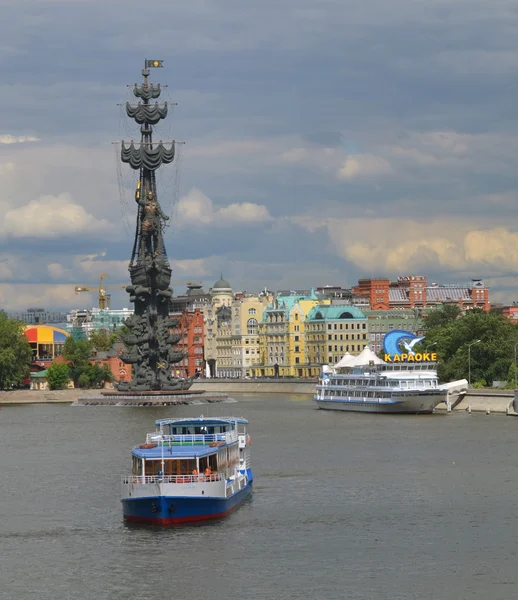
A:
[198,209]
[51,217]
[364,165]
[19,296]
[394,246]
[21,139]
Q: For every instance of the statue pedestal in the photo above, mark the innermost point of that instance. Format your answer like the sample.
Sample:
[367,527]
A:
[160,398]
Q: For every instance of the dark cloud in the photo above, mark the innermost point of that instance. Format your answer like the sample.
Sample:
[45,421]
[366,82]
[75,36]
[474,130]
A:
[313,84]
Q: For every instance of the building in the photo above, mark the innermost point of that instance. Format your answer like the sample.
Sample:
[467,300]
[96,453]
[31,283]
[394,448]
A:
[381,322]
[281,335]
[413,291]
[247,312]
[330,332]
[188,309]
[37,316]
[46,341]
[81,323]
[218,324]
[232,330]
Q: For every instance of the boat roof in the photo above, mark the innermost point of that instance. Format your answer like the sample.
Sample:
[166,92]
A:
[174,451]
[203,420]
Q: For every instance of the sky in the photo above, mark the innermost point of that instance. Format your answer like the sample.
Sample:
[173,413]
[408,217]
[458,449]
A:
[325,141]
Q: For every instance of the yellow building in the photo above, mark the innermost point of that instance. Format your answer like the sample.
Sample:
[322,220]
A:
[331,331]
[232,331]
[282,336]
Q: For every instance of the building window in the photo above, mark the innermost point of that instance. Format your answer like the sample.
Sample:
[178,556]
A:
[252,311]
[297,348]
[297,338]
[252,326]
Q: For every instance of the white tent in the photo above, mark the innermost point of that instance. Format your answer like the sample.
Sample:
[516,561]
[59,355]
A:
[327,369]
[346,361]
[365,357]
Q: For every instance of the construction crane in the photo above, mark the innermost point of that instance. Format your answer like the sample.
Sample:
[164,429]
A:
[103,297]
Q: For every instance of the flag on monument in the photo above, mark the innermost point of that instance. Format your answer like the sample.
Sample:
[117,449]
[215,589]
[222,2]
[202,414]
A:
[154,63]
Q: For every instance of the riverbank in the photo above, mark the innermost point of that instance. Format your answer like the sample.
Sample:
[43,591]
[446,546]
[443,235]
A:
[486,400]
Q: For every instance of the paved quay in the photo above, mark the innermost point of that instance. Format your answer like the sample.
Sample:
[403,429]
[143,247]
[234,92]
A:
[488,401]
[41,396]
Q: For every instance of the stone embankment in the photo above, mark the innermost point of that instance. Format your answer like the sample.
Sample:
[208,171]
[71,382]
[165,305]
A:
[486,400]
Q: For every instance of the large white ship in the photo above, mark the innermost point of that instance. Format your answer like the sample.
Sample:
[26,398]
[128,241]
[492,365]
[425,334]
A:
[382,388]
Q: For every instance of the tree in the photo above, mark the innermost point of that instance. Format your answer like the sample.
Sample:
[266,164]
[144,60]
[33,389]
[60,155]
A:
[442,316]
[77,353]
[491,358]
[102,340]
[58,376]
[15,352]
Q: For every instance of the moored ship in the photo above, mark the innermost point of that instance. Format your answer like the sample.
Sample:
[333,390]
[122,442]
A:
[189,470]
[382,388]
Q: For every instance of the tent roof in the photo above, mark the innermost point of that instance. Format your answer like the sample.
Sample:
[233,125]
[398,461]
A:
[346,361]
[365,357]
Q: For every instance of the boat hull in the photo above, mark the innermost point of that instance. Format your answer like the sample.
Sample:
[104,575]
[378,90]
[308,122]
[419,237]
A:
[416,404]
[176,510]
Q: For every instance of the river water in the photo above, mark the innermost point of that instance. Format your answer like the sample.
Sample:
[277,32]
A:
[345,506]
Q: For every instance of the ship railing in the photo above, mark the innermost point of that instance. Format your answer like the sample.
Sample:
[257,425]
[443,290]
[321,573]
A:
[196,438]
[143,479]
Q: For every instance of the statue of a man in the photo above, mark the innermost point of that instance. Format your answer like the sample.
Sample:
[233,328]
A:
[151,229]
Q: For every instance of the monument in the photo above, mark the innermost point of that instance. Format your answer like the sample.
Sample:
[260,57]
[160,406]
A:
[150,345]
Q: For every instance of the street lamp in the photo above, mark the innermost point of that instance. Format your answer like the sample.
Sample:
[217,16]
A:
[469,360]
[515,346]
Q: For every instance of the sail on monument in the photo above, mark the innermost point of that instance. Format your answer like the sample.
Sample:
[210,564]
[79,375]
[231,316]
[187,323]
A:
[150,347]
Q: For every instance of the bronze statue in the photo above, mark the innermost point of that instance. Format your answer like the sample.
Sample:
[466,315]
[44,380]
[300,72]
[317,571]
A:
[149,343]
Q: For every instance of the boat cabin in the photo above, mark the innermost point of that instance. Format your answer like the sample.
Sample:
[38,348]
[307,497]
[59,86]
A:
[182,450]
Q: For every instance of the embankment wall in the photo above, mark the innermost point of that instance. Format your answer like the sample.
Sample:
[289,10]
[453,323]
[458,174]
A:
[497,401]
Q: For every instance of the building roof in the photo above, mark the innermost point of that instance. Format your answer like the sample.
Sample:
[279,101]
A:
[334,312]
[398,294]
[45,334]
[221,284]
[445,293]
[39,374]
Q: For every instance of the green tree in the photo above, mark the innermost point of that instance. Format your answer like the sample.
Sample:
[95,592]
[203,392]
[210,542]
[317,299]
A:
[442,316]
[96,375]
[58,376]
[77,353]
[491,358]
[15,352]
[102,339]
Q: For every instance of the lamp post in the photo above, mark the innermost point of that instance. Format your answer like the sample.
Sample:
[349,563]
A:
[469,361]
[515,346]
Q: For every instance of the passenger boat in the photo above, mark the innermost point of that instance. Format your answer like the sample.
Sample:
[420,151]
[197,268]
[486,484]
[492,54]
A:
[189,470]
[383,388]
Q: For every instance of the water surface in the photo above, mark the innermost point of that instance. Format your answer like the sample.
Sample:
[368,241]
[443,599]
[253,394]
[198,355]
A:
[345,506]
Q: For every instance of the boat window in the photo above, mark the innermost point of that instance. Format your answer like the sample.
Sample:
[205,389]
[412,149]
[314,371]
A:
[171,466]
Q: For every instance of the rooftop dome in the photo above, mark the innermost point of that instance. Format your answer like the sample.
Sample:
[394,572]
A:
[221,284]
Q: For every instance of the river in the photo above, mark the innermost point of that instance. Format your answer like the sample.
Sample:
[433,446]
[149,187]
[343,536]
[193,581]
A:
[345,506]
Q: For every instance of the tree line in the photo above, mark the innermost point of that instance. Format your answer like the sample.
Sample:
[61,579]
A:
[16,357]
[477,345]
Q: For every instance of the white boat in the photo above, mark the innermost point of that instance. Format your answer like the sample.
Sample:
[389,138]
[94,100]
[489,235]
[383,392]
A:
[189,470]
[382,388]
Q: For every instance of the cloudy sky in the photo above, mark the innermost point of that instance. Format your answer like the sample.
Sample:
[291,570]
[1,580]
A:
[325,140]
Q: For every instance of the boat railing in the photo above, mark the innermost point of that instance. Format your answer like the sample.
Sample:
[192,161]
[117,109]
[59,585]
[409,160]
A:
[146,479]
[196,438]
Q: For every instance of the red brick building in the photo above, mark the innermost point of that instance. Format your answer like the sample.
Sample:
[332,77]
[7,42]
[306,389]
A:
[188,309]
[414,292]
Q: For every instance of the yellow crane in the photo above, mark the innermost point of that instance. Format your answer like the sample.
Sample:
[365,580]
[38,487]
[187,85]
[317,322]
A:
[103,297]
